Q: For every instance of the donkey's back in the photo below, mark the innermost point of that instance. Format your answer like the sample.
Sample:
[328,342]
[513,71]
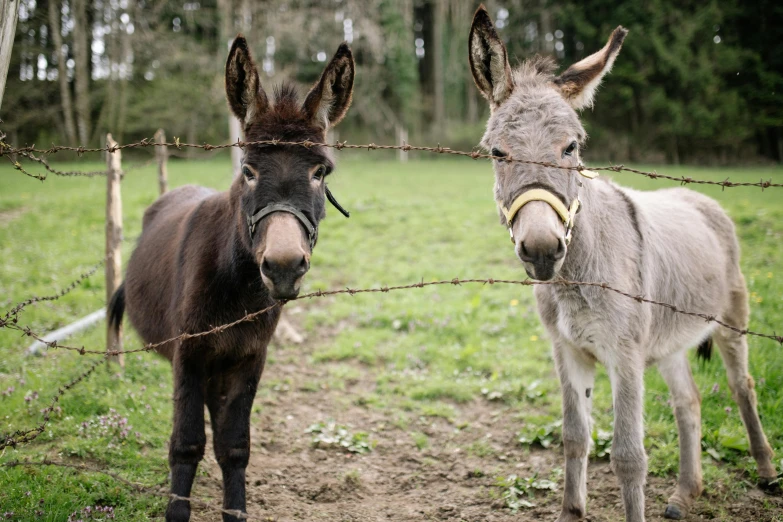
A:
[689,257]
[153,280]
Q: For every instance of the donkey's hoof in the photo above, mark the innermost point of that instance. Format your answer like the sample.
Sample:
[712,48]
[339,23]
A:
[673,512]
[771,486]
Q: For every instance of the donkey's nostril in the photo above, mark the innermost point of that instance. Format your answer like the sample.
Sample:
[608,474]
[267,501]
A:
[560,252]
[266,268]
[304,266]
[523,253]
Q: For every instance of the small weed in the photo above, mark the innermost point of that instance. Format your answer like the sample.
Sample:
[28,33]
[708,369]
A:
[420,439]
[481,449]
[92,513]
[331,435]
[113,427]
[516,490]
[602,443]
[352,478]
[543,436]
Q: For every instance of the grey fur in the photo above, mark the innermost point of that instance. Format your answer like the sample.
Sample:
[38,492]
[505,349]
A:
[672,245]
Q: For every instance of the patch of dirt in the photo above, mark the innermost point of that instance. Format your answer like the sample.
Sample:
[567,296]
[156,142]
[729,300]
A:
[7,216]
[289,479]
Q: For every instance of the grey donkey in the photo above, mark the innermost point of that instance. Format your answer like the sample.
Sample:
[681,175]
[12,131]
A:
[672,245]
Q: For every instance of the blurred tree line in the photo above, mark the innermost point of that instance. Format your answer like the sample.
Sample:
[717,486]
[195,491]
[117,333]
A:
[696,81]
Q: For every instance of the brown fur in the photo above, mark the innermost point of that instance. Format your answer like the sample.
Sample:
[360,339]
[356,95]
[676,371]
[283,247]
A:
[196,266]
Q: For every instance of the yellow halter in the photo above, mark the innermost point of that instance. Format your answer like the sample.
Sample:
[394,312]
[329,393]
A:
[567,214]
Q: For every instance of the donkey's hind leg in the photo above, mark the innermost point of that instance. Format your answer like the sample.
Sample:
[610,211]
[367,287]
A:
[734,351]
[686,402]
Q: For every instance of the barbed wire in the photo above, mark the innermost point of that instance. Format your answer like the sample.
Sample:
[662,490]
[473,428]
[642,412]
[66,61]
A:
[12,314]
[25,436]
[71,173]
[141,488]
[26,330]
[340,145]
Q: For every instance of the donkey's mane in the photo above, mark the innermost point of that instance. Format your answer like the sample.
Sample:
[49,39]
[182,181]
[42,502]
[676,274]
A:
[538,69]
[285,119]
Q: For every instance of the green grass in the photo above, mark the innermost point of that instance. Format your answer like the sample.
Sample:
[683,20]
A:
[432,349]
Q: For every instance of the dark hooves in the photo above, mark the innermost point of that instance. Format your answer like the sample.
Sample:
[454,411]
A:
[673,513]
[771,486]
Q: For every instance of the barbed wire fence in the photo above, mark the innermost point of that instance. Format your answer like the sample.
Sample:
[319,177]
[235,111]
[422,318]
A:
[6,149]
[10,319]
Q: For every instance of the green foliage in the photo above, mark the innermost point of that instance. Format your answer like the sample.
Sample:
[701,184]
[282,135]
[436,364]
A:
[516,490]
[451,342]
[542,435]
[602,443]
[696,82]
[399,74]
[331,435]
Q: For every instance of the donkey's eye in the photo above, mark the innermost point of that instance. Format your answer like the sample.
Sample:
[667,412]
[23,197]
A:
[570,149]
[248,174]
[321,172]
[499,153]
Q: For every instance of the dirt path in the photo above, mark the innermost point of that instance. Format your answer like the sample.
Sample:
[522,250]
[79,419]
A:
[289,479]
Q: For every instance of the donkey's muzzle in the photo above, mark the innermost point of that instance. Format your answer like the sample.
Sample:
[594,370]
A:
[542,259]
[283,275]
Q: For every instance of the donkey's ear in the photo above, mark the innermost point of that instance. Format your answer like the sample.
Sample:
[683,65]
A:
[489,60]
[246,97]
[329,99]
[579,82]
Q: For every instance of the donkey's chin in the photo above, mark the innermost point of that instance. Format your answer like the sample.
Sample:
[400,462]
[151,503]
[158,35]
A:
[282,290]
[545,271]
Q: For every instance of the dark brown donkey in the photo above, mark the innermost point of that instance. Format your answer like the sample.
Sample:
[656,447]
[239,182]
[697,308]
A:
[207,258]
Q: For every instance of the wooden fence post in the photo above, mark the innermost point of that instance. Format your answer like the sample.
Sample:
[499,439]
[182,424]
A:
[402,137]
[9,11]
[162,153]
[113,240]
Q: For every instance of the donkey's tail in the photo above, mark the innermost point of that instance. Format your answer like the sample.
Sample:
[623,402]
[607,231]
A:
[704,351]
[116,308]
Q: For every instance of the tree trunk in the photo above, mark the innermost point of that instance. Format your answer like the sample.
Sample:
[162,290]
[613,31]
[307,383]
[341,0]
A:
[227,32]
[81,55]
[55,17]
[548,46]
[439,90]
[9,9]
[125,54]
[779,135]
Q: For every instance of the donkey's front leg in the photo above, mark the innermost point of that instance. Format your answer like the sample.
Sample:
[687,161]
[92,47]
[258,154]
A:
[628,456]
[230,401]
[186,447]
[577,374]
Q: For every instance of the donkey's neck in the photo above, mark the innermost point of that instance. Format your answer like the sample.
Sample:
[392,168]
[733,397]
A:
[588,257]
[236,268]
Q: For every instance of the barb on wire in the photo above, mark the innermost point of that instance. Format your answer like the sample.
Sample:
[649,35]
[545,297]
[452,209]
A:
[340,145]
[24,436]
[70,173]
[141,488]
[18,166]
[11,315]
[385,289]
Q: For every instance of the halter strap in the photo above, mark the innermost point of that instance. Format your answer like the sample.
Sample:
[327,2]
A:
[312,230]
[567,214]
